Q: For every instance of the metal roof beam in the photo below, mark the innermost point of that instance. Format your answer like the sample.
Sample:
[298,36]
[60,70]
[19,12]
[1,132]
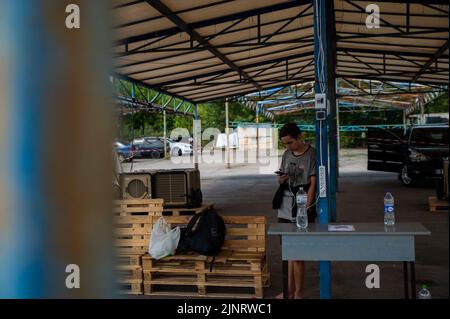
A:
[158,5]
[292,57]
[146,20]
[218,20]
[127,78]
[409,35]
[389,52]
[436,56]
[385,13]
[227,32]
[209,99]
[377,77]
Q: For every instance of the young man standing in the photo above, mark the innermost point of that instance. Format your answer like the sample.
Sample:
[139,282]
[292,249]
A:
[298,167]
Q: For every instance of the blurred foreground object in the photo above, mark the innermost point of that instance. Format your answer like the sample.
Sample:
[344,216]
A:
[55,151]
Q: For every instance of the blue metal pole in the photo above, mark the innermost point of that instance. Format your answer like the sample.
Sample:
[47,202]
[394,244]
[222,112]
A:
[321,69]
[54,177]
[331,93]
[23,222]
[196,135]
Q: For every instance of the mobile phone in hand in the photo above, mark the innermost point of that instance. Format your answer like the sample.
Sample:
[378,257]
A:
[280,173]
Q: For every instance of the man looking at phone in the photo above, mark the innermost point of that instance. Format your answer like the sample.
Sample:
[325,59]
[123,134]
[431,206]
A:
[298,169]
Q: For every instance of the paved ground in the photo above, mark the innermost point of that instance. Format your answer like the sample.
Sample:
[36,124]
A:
[243,190]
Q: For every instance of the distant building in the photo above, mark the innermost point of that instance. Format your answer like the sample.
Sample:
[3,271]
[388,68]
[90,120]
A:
[431,118]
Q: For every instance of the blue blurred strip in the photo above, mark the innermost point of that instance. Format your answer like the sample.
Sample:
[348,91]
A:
[24,258]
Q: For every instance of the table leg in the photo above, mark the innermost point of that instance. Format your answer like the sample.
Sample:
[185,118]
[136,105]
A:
[285,273]
[413,280]
[405,278]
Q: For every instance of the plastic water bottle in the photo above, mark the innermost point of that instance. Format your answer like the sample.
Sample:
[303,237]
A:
[424,293]
[389,214]
[302,215]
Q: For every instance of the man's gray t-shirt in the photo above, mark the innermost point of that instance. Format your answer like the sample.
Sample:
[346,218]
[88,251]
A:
[299,167]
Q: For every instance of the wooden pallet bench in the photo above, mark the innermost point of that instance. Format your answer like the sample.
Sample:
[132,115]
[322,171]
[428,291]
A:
[240,270]
[180,211]
[133,220]
[437,205]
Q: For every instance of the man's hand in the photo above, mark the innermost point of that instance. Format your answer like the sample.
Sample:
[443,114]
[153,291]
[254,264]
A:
[282,179]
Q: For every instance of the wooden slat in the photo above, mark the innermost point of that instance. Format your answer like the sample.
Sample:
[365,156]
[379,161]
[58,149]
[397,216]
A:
[226,219]
[128,267]
[148,210]
[230,283]
[175,280]
[134,250]
[133,220]
[193,294]
[244,219]
[233,231]
[239,244]
[154,201]
[437,205]
[145,230]
[131,242]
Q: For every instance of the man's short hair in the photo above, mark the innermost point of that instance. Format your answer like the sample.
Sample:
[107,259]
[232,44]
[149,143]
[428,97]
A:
[290,129]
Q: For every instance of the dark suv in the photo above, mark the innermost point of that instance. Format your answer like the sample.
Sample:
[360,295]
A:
[416,154]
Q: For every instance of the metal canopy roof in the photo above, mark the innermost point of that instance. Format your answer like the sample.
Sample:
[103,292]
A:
[354,94]
[206,50]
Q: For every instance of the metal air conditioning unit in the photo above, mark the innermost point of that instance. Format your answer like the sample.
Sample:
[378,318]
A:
[179,187]
[135,185]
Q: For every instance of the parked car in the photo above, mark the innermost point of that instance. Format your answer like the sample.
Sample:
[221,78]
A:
[179,148]
[416,154]
[124,151]
[148,149]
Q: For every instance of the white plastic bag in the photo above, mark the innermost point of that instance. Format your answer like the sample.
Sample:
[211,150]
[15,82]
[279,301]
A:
[164,241]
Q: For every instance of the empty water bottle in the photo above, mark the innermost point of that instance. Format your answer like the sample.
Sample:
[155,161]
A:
[424,293]
[389,214]
[302,215]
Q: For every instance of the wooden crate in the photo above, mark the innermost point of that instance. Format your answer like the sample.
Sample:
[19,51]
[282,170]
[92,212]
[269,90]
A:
[128,270]
[180,211]
[241,264]
[129,288]
[437,205]
[133,221]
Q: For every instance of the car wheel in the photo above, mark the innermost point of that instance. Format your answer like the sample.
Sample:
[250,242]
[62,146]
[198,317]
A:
[406,178]
[176,151]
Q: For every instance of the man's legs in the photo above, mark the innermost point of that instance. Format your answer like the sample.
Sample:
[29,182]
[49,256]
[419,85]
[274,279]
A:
[291,279]
[298,272]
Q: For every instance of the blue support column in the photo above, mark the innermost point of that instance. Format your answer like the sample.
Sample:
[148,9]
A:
[322,9]
[331,93]
[55,152]
[196,134]
[23,258]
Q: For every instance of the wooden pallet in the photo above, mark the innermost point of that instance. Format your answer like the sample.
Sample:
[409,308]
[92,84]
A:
[181,211]
[129,273]
[133,221]
[129,288]
[137,207]
[437,205]
[242,264]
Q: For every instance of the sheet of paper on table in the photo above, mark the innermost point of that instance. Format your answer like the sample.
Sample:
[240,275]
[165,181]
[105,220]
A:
[341,228]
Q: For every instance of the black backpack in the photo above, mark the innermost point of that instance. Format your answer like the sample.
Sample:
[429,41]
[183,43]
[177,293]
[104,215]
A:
[204,234]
